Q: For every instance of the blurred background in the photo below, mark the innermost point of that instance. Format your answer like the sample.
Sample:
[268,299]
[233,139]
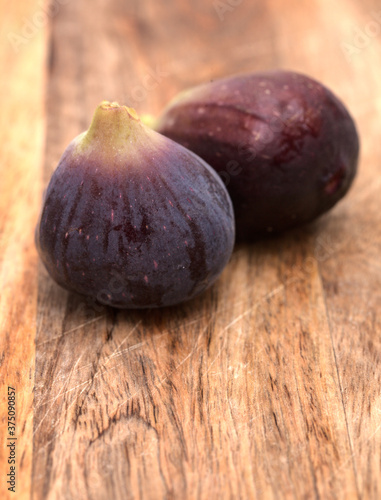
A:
[143,52]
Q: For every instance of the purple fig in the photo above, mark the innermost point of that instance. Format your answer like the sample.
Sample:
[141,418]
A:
[133,219]
[285,146]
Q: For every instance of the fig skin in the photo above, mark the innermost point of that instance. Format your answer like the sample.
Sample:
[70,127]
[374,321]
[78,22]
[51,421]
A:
[133,219]
[285,146]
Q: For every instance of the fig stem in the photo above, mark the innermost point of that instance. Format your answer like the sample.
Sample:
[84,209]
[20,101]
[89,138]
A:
[149,120]
[112,126]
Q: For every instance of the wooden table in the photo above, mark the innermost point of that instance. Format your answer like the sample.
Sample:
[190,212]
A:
[267,386]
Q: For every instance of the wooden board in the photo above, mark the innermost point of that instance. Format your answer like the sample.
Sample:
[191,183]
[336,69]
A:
[22,131]
[268,385]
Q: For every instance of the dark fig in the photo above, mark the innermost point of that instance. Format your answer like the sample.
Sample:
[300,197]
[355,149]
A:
[133,219]
[285,146]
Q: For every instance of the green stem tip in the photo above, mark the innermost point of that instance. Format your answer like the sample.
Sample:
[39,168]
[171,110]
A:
[112,126]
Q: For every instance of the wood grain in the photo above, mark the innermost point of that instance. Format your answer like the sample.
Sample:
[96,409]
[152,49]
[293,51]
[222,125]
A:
[22,130]
[267,386]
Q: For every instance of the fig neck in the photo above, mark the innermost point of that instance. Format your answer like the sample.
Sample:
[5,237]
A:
[113,127]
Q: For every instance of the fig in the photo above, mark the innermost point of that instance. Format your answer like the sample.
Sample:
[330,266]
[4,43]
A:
[133,219]
[285,146]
